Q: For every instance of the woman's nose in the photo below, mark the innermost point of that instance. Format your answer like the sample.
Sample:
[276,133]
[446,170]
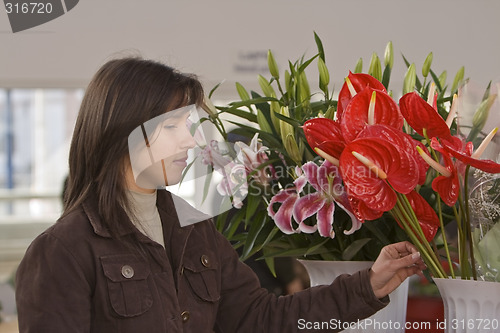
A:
[187,140]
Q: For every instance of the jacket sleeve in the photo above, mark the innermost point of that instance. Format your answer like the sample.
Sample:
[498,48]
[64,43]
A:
[245,307]
[52,293]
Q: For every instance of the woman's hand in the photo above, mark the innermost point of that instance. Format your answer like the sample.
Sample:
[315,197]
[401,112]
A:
[394,264]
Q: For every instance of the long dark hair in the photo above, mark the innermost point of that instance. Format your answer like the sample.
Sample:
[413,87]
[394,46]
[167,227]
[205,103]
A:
[123,94]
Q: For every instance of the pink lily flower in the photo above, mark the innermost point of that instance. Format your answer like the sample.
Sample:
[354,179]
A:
[253,156]
[327,183]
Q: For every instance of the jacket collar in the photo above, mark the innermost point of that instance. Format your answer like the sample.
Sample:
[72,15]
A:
[182,214]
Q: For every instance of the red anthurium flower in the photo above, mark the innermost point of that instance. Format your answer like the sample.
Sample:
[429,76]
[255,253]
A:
[358,82]
[369,107]
[398,169]
[420,115]
[325,134]
[448,187]
[401,140]
[427,217]
[362,212]
[466,157]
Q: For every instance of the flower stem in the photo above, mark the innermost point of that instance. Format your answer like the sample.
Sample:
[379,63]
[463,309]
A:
[467,223]
[443,235]
[423,246]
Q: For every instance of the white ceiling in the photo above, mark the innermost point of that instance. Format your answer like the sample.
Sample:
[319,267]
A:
[217,39]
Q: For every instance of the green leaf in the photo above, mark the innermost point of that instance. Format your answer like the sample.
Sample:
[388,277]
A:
[213,90]
[186,169]
[234,223]
[319,44]
[386,77]
[316,247]
[255,228]
[252,204]
[305,64]
[270,264]
[354,248]
[252,101]
[263,124]
[208,179]
[436,80]
[242,114]
[295,123]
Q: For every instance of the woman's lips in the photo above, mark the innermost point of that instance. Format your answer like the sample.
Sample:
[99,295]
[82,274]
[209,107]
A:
[181,162]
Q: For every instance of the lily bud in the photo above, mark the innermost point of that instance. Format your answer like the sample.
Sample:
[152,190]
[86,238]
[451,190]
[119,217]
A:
[375,68]
[266,87]
[389,55]
[288,81]
[442,78]
[482,113]
[359,66]
[275,108]
[330,113]
[292,149]
[305,91]
[209,107]
[410,79]
[285,128]
[324,76]
[273,66]
[242,92]
[427,65]
[458,79]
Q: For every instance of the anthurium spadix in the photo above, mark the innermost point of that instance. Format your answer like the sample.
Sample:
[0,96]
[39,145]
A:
[472,157]
[369,107]
[354,83]
[401,140]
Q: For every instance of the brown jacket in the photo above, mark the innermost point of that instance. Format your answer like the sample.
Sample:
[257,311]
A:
[76,278]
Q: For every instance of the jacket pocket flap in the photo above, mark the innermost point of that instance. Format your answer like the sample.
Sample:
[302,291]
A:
[119,268]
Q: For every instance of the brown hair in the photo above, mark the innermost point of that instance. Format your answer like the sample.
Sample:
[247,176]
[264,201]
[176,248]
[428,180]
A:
[123,94]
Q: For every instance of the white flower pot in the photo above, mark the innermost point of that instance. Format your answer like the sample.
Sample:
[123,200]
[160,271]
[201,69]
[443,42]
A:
[391,319]
[470,306]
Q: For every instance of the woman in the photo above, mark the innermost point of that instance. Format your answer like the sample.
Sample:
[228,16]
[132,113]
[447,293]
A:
[118,259]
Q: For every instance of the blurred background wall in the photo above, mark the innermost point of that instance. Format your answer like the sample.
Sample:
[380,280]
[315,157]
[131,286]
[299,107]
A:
[44,70]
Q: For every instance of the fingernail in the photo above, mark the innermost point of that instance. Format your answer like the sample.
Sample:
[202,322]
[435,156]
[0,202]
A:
[415,255]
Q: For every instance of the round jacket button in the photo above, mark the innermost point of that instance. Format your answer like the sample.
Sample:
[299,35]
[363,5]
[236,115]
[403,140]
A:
[185,316]
[127,271]
[205,261]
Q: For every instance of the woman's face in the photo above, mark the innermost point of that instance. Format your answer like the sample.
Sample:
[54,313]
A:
[159,149]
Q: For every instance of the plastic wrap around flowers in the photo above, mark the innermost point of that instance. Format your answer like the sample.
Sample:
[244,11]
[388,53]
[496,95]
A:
[382,167]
